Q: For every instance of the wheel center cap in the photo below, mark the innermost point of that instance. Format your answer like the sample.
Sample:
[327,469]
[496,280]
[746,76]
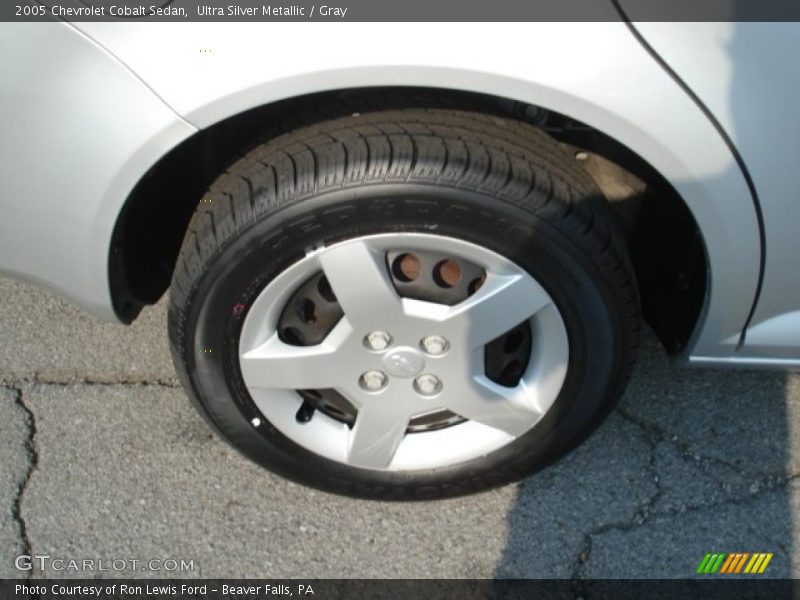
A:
[403,362]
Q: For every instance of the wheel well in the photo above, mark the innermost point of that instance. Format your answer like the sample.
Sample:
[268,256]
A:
[665,243]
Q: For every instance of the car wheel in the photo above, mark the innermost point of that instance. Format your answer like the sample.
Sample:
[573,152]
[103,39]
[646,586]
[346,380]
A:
[404,304]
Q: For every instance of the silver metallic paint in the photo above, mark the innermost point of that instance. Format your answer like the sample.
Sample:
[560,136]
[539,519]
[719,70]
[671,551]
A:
[77,131]
[746,74]
[87,117]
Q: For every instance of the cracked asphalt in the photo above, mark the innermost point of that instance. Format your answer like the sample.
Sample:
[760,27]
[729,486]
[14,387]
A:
[103,457]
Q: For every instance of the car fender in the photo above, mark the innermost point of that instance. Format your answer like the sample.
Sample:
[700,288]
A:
[597,73]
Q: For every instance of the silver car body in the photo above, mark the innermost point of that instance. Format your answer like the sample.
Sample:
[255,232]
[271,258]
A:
[86,109]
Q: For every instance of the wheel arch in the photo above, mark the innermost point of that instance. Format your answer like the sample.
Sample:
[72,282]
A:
[150,228]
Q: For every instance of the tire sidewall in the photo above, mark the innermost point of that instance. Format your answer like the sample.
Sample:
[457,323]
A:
[533,240]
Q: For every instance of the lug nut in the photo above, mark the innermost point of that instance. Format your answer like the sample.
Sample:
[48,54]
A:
[427,384]
[435,345]
[377,340]
[372,381]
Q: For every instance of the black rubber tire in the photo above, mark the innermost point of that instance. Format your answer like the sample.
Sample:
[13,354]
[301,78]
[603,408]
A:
[493,181]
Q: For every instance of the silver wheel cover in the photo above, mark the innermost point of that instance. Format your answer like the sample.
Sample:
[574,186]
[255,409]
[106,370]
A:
[356,269]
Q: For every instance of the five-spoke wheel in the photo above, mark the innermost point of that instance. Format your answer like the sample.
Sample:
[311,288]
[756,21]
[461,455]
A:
[396,359]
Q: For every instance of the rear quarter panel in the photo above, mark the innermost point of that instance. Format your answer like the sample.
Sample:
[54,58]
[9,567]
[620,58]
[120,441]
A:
[746,74]
[189,76]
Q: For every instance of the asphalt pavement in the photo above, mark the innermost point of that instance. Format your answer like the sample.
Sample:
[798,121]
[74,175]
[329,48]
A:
[104,458]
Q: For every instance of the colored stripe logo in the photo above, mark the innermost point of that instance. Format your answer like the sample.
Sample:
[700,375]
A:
[734,563]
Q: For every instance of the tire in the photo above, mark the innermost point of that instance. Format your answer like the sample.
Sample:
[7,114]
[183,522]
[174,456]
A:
[495,187]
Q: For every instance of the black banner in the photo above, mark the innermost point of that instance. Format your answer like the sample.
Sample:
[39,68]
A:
[398,10]
[395,589]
